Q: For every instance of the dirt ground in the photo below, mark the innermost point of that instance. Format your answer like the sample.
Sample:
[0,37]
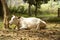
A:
[51,33]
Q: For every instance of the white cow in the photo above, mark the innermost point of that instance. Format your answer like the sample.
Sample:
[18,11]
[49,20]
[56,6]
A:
[30,22]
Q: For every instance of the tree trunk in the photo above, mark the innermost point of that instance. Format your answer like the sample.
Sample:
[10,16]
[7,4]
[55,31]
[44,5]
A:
[58,12]
[29,10]
[1,10]
[6,13]
[36,9]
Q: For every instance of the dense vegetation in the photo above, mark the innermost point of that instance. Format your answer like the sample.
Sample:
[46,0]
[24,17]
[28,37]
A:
[39,8]
[31,8]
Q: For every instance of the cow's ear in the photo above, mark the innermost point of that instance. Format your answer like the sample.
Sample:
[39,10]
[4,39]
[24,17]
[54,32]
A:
[19,17]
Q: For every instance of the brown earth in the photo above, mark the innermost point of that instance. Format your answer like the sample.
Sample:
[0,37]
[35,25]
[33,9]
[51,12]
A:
[51,33]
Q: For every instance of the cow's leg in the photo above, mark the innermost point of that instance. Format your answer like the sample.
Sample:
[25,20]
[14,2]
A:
[24,26]
[38,27]
[18,27]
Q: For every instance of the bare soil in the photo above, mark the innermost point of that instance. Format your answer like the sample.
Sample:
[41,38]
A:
[51,33]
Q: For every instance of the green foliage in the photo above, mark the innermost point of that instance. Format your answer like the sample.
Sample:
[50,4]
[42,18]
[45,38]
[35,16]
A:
[41,11]
[36,3]
[45,1]
[19,9]
[13,9]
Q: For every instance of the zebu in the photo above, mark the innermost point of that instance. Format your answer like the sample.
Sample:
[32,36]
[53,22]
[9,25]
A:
[27,23]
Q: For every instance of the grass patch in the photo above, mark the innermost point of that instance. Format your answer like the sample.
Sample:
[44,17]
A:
[12,26]
[1,25]
[38,14]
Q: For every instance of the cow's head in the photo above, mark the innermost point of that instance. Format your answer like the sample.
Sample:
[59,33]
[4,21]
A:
[14,20]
